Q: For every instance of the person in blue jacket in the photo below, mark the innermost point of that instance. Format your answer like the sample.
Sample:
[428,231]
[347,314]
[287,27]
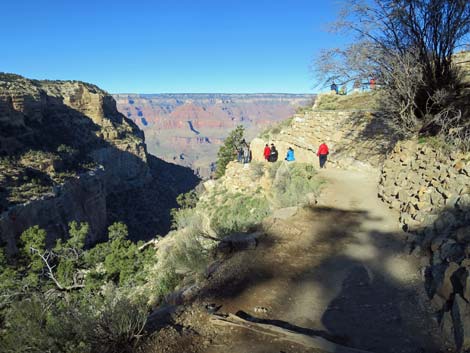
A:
[290,155]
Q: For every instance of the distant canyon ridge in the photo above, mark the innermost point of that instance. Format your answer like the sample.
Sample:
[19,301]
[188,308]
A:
[188,129]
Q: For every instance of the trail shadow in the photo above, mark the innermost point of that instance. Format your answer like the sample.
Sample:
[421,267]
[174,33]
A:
[326,272]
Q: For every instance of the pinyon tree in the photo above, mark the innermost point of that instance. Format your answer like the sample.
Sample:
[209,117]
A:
[228,149]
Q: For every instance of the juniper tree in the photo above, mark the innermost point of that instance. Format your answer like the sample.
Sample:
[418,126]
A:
[228,149]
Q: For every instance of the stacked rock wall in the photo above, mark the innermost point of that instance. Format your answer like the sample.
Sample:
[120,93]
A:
[431,189]
[356,139]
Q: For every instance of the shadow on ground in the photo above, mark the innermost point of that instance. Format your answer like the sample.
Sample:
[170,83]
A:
[323,272]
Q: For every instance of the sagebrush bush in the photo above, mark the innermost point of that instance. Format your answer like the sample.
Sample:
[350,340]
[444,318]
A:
[110,323]
[239,213]
[293,182]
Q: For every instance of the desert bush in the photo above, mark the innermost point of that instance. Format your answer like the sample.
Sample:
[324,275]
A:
[188,199]
[239,213]
[36,325]
[110,323]
[118,323]
[189,254]
[186,218]
[257,168]
[293,182]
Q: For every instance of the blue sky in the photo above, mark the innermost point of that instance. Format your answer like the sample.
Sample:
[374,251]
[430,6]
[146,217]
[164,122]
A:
[168,46]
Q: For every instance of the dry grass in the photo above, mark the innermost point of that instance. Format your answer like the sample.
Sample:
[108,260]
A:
[353,101]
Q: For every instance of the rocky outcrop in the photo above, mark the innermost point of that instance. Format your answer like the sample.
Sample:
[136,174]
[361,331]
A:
[82,199]
[357,139]
[431,189]
[187,129]
[82,160]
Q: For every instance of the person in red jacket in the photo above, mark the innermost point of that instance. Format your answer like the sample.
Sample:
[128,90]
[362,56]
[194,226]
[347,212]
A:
[323,154]
[267,152]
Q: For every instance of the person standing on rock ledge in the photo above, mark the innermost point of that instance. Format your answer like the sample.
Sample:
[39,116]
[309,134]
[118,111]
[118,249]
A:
[267,152]
[322,153]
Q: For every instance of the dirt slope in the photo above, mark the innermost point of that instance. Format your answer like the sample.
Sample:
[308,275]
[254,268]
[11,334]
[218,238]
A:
[336,271]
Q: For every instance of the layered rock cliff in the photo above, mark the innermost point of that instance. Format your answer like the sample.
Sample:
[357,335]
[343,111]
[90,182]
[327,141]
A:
[188,129]
[68,154]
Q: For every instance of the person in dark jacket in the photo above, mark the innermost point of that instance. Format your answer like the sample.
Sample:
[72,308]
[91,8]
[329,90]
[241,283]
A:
[274,154]
[334,87]
[322,153]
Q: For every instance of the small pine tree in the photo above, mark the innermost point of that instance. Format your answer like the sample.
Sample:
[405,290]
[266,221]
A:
[227,150]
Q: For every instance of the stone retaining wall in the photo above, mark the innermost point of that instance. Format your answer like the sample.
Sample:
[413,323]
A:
[431,189]
[356,139]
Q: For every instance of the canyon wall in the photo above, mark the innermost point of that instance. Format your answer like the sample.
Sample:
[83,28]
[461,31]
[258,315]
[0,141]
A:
[66,154]
[188,129]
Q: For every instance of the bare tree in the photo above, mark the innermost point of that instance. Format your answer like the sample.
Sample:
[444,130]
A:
[408,46]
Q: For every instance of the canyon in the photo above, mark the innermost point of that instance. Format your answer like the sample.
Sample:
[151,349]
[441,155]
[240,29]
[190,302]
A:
[67,154]
[188,129]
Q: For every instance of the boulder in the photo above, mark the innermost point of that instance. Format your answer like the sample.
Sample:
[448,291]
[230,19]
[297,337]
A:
[463,234]
[464,202]
[461,322]
[452,251]
[443,280]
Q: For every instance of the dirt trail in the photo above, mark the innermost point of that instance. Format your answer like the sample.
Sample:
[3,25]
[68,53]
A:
[337,270]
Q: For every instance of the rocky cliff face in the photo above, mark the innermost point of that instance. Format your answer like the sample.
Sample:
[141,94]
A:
[430,187]
[188,129]
[357,139]
[68,154]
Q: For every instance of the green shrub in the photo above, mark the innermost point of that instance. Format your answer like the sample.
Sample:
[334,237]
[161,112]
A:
[187,218]
[107,323]
[257,168]
[239,213]
[187,200]
[293,182]
[118,323]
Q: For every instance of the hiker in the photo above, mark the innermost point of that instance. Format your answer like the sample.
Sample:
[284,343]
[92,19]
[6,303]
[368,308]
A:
[323,154]
[357,85]
[274,154]
[290,155]
[239,154]
[240,151]
[267,152]
[343,91]
[334,87]
[246,153]
[372,83]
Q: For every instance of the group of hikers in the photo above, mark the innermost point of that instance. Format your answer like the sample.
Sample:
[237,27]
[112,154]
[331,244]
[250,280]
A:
[356,86]
[244,152]
[271,153]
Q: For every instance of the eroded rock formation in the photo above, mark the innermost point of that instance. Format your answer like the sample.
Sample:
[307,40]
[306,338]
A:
[68,154]
[188,129]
